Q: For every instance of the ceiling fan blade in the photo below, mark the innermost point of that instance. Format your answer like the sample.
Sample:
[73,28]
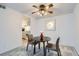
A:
[50,11]
[50,5]
[34,6]
[33,12]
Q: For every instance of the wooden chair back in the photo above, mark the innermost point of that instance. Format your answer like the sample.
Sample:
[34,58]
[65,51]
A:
[30,37]
[57,43]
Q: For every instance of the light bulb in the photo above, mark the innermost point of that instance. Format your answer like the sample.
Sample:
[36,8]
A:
[42,12]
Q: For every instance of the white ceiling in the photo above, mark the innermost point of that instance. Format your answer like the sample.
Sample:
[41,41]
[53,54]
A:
[26,8]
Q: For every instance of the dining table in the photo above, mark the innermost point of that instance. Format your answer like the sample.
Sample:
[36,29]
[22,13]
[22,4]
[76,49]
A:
[45,41]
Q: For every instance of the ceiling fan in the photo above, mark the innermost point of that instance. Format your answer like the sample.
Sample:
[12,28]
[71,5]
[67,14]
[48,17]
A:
[43,9]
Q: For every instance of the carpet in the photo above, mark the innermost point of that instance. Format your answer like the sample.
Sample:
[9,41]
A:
[21,51]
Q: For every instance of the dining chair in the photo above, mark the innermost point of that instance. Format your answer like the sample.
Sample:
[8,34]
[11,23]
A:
[32,42]
[54,47]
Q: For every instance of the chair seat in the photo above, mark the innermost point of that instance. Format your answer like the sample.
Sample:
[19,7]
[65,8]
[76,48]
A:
[23,38]
[51,46]
[54,47]
[30,41]
[35,42]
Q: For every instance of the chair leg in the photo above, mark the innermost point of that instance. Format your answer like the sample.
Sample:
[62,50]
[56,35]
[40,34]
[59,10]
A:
[27,47]
[47,42]
[48,50]
[59,53]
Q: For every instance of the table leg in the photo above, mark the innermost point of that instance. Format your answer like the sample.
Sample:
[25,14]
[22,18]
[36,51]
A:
[39,45]
[47,44]
[27,47]
[34,49]
[44,48]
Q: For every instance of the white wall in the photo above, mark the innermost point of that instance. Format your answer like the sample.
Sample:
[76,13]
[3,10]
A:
[64,29]
[10,29]
[76,15]
[33,26]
